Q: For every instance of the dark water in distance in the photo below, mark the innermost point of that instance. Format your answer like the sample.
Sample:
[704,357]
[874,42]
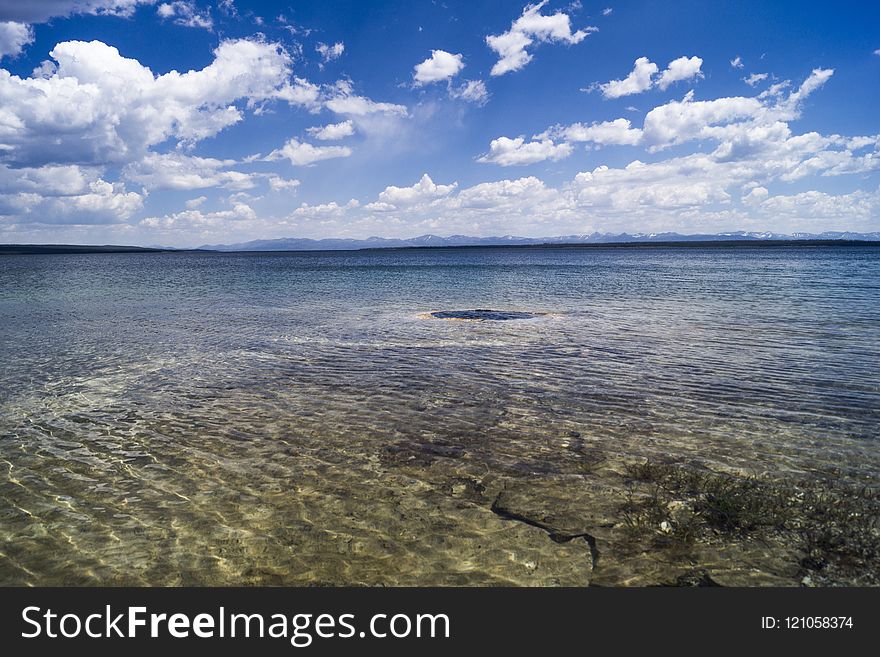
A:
[298,418]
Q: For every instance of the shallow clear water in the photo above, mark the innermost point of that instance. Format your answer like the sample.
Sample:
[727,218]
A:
[301,419]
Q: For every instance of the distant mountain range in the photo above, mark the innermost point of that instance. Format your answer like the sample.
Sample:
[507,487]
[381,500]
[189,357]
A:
[305,244]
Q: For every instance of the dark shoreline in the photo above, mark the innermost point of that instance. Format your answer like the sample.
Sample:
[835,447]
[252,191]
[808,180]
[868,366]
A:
[82,249]
[74,249]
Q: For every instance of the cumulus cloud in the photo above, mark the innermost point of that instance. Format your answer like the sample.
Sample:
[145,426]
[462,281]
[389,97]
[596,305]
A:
[510,152]
[727,119]
[422,191]
[736,62]
[186,172]
[810,206]
[618,131]
[332,131]
[104,201]
[279,184]
[639,188]
[90,110]
[330,52]
[185,12]
[472,91]
[531,26]
[683,68]
[755,195]
[523,195]
[688,193]
[441,65]
[324,210]
[753,147]
[685,120]
[199,222]
[68,194]
[100,107]
[750,138]
[486,208]
[303,154]
[14,37]
[642,77]
[301,92]
[639,80]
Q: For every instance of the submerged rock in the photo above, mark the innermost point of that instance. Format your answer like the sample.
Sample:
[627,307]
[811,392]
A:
[484,314]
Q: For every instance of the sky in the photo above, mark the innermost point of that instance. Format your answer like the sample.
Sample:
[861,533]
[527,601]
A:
[196,122]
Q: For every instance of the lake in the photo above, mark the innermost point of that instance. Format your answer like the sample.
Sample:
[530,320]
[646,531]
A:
[302,418]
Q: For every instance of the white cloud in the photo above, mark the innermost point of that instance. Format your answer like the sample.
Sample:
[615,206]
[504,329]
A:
[472,91]
[303,154]
[194,203]
[642,77]
[39,11]
[755,195]
[104,202]
[736,62]
[524,205]
[68,194]
[727,118]
[750,137]
[14,37]
[607,11]
[64,180]
[279,184]
[531,26]
[510,152]
[324,210]
[639,80]
[522,195]
[423,191]
[685,120]
[806,208]
[228,7]
[819,76]
[877,52]
[332,131]
[330,52]
[186,172]
[99,107]
[683,68]
[195,220]
[342,100]
[755,78]
[185,12]
[775,90]
[618,131]
[441,65]
[301,92]
[640,188]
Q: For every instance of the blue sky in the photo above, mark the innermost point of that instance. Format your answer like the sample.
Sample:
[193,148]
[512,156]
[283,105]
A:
[201,121]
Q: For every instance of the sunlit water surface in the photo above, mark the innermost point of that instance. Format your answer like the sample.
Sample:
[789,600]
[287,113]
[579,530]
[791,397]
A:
[302,418]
